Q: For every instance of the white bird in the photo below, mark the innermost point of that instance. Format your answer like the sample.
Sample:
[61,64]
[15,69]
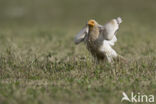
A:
[100,39]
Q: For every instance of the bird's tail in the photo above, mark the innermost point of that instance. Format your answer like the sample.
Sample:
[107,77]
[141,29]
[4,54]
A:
[121,59]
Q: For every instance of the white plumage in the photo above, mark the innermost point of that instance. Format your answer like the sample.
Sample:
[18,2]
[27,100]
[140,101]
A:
[100,39]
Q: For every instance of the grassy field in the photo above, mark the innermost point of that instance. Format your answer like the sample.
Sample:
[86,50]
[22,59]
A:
[40,64]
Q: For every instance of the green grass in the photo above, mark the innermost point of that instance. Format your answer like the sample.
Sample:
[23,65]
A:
[40,64]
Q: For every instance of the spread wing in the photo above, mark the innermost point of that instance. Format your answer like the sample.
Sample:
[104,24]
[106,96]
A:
[108,31]
[81,35]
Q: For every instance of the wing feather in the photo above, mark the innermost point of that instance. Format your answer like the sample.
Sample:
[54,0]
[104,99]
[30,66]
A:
[109,29]
[81,35]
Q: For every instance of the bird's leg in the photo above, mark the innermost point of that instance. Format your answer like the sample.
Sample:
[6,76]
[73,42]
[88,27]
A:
[96,60]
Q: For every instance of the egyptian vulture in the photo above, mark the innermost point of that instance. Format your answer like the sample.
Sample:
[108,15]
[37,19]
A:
[100,39]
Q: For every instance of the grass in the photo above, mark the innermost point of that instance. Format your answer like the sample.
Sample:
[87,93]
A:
[41,64]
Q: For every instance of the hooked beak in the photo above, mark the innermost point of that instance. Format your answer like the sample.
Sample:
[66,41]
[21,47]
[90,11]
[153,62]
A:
[91,23]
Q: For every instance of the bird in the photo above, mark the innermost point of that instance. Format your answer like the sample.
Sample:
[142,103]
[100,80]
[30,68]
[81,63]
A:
[99,39]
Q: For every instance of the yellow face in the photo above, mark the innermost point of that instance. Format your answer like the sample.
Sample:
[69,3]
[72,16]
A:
[91,23]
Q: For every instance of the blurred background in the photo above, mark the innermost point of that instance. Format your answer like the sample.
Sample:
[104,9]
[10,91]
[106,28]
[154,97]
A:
[75,12]
[40,64]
